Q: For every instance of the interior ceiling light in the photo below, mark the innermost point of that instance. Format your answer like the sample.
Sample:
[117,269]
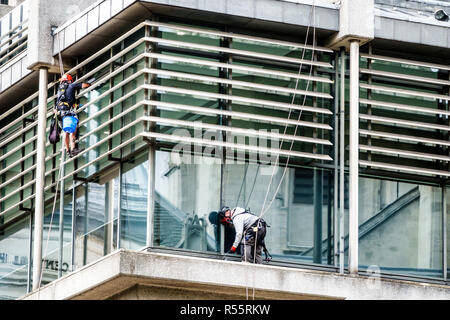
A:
[441,15]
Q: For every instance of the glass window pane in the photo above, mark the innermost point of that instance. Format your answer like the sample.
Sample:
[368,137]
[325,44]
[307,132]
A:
[400,226]
[187,194]
[447,201]
[51,240]
[133,212]
[14,253]
[298,210]
[91,221]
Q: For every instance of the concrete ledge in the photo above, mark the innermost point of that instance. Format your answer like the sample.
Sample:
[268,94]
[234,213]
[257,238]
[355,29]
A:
[193,278]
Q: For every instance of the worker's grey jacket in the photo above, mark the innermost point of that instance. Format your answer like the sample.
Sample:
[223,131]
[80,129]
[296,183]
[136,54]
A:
[242,220]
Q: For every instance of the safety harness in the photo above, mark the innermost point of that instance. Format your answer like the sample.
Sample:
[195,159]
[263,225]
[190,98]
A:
[257,231]
[63,107]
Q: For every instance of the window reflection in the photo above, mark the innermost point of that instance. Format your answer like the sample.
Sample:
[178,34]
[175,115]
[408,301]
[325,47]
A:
[298,208]
[447,201]
[91,218]
[133,204]
[185,195]
[14,254]
[51,265]
[400,227]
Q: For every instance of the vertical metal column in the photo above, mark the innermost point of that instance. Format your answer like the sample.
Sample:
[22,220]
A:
[318,184]
[444,232]
[225,73]
[318,201]
[111,217]
[342,166]
[336,164]
[74,227]
[152,111]
[354,157]
[30,248]
[119,206]
[40,177]
[151,195]
[61,205]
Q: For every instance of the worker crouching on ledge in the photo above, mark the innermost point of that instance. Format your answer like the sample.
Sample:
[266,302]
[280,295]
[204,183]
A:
[250,234]
[65,107]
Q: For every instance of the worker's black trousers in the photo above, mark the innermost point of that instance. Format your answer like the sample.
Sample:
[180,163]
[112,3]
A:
[248,253]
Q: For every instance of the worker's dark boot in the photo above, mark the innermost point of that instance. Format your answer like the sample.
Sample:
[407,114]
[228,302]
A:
[76,152]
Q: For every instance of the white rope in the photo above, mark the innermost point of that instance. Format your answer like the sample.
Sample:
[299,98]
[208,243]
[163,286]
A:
[263,212]
[51,219]
[312,16]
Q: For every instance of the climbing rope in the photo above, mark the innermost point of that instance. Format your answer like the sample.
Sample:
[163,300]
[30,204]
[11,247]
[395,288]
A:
[263,212]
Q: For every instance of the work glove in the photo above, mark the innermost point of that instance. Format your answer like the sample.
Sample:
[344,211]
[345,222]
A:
[233,249]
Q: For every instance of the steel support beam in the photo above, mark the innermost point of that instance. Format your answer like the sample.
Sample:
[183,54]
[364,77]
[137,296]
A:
[151,194]
[354,157]
[61,205]
[40,178]
[342,165]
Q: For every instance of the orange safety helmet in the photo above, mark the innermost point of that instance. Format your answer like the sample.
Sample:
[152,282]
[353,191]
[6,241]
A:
[66,77]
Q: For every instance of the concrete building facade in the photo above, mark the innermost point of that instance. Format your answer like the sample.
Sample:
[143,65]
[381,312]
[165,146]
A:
[328,119]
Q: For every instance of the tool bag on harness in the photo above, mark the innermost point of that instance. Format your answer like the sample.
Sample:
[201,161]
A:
[258,231]
[55,131]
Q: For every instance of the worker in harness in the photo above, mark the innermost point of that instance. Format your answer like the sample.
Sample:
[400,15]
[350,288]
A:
[65,106]
[249,229]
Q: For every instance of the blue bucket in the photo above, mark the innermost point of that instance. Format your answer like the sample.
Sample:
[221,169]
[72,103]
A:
[70,124]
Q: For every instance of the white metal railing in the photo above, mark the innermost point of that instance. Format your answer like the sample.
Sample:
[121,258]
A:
[149,72]
[14,33]
[407,132]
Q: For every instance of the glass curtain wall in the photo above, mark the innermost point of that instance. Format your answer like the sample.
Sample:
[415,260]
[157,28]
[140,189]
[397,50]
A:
[133,203]
[92,224]
[403,131]
[51,245]
[222,88]
[400,227]
[14,259]
[447,212]
[187,198]
[232,95]
[298,208]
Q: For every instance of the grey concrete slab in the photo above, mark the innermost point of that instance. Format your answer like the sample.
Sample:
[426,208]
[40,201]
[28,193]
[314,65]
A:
[434,35]
[327,19]
[184,3]
[215,6]
[407,31]
[244,8]
[384,28]
[296,14]
[123,269]
[268,10]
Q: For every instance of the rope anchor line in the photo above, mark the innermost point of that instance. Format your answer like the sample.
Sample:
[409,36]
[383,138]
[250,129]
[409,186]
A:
[264,210]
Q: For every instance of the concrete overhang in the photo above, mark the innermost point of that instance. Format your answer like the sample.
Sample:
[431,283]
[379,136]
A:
[280,19]
[413,37]
[18,92]
[401,34]
[146,275]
